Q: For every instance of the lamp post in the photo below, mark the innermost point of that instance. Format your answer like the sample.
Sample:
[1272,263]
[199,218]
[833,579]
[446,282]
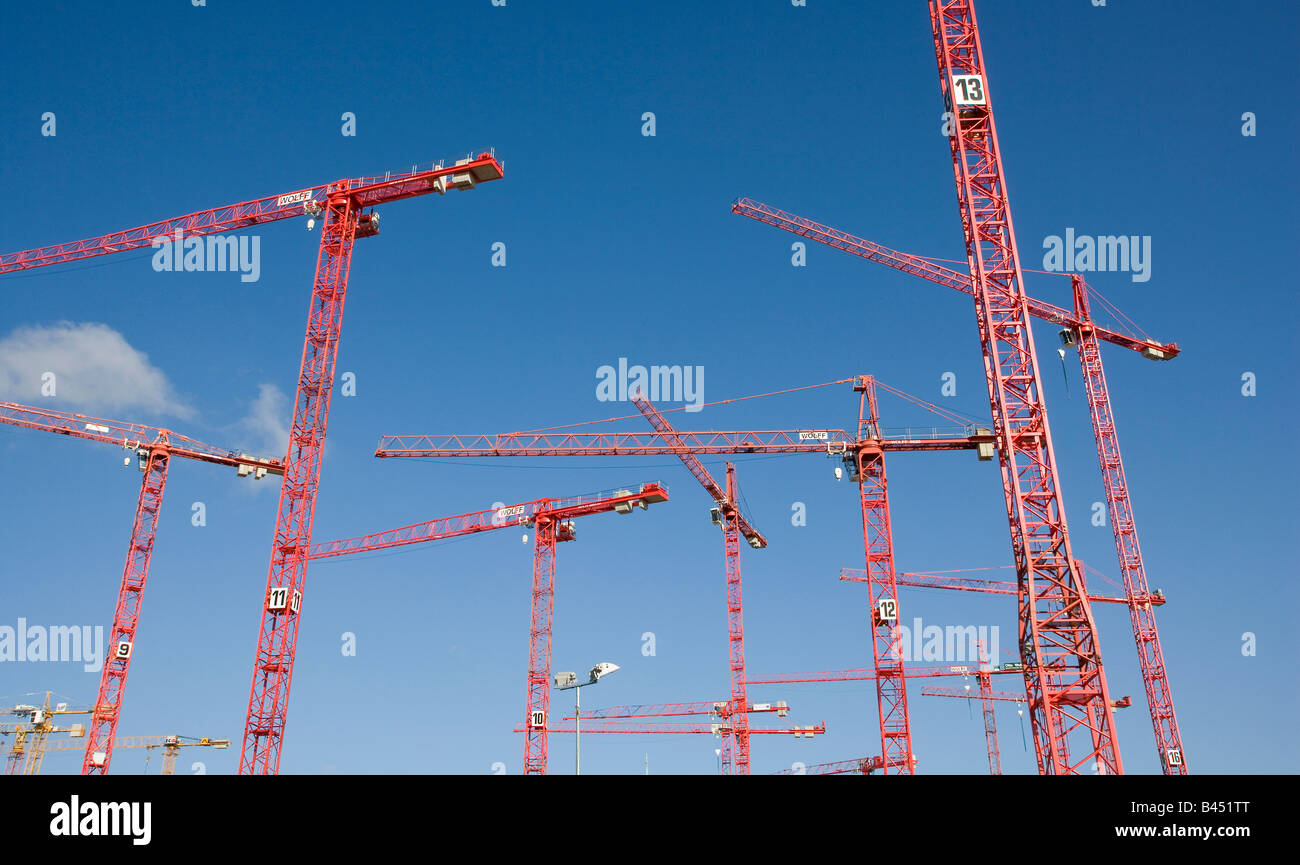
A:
[569,681]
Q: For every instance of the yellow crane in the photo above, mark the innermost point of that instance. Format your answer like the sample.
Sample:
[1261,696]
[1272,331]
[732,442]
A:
[170,745]
[28,750]
[29,739]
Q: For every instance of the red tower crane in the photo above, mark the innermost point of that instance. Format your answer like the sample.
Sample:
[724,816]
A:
[727,725]
[347,210]
[1070,706]
[862,452]
[874,764]
[723,728]
[986,698]
[714,708]
[1078,330]
[1074,321]
[984,676]
[863,766]
[1005,696]
[735,748]
[826,442]
[992,587]
[862,674]
[154,447]
[552,522]
[882,590]
[799,732]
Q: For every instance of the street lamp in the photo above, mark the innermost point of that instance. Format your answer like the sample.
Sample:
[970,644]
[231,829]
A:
[569,681]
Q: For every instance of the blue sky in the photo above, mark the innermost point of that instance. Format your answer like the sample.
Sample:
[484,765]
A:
[1124,119]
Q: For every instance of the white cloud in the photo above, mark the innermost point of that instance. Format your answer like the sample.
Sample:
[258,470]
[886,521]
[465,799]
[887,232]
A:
[94,369]
[267,422]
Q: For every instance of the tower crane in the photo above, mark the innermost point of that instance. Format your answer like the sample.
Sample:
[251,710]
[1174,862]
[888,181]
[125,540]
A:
[154,449]
[1069,701]
[984,677]
[170,746]
[552,522]
[986,697]
[27,755]
[722,728]
[993,587]
[916,671]
[715,709]
[346,208]
[823,441]
[882,590]
[1074,321]
[863,453]
[863,766]
[1080,331]
[727,515]
[983,672]
[870,765]
[727,724]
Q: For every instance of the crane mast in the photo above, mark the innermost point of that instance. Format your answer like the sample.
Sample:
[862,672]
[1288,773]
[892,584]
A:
[1151,660]
[1072,718]
[882,590]
[126,616]
[738,760]
[990,724]
[278,632]
[541,623]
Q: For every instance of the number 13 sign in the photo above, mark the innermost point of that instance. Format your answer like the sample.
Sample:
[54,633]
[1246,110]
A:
[968,90]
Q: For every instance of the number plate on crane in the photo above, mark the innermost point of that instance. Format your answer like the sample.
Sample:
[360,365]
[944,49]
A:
[968,90]
[887,610]
[277,599]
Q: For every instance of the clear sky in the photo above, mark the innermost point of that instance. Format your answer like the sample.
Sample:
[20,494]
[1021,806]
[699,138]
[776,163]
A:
[1125,119]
